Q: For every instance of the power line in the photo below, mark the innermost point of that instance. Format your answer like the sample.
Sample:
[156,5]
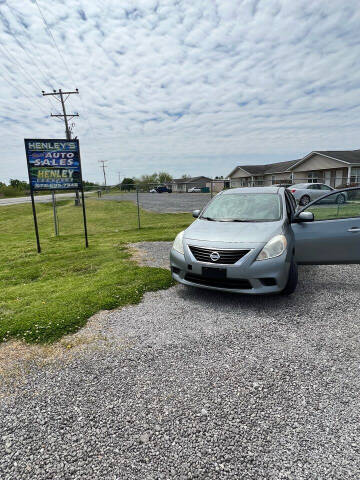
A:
[61,94]
[47,27]
[53,39]
[27,53]
[26,94]
[14,60]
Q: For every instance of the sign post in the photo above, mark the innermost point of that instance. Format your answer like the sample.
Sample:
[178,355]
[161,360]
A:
[54,165]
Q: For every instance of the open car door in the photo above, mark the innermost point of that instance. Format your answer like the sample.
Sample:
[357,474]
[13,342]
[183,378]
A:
[333,237]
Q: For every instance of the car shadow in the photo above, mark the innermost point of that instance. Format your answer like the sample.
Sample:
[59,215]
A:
[318,286]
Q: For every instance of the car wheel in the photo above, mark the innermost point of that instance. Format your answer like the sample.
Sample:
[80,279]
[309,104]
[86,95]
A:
[340,199]
[292,282]
[304,200]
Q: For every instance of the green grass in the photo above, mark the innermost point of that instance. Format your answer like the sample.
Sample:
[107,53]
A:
[43,297]
[346,210]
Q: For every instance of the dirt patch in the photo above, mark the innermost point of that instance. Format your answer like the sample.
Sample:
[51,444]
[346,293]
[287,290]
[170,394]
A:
[17,358]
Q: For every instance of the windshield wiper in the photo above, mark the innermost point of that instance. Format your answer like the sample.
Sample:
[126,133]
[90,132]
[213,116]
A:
[209,218]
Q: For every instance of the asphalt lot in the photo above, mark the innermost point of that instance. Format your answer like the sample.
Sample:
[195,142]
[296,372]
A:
[165,202]
[199,384]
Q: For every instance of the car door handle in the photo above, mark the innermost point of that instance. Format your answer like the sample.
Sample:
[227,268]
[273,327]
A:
[354,229]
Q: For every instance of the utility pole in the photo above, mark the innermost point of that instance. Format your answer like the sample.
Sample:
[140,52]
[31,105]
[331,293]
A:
[61,99]
[119,177]
[59,95]
[103,168]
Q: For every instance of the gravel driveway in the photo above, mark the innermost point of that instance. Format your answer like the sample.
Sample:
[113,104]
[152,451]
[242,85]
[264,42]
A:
[165,202]
[197,384]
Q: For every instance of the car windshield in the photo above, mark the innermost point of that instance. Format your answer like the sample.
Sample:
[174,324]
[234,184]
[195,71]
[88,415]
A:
[245,207]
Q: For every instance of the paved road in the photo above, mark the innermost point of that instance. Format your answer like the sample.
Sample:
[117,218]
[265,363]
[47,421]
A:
[165,202]
[38,198]
[195,384]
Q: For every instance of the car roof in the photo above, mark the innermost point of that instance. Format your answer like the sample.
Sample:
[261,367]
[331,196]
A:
[310,183]
[253,190]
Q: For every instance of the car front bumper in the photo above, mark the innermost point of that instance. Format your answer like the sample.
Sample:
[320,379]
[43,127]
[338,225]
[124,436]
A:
[245,276]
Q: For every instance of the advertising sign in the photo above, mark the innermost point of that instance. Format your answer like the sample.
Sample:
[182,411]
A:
[53,164]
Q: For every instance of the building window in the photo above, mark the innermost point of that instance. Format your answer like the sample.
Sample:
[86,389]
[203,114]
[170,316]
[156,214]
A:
[355,175]
[273,180]
[313,177]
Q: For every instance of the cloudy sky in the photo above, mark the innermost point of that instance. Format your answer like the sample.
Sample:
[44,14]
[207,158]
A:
[187,86]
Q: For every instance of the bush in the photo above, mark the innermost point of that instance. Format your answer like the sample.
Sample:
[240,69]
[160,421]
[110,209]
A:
[9,191]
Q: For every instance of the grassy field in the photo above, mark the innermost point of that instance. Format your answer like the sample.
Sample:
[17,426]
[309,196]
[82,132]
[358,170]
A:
[43,297]
[329,212]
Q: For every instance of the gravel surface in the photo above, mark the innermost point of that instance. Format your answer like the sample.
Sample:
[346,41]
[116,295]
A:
[165,202]
[199,384]
[152,254]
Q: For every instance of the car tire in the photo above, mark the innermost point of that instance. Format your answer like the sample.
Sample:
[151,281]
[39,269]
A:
[304,200]
[292,282]
[340,199]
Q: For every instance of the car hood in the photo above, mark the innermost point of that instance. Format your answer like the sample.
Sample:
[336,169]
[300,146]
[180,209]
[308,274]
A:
[233,232]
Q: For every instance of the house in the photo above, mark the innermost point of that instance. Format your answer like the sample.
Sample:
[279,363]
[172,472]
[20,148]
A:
[335,168]
[184,184]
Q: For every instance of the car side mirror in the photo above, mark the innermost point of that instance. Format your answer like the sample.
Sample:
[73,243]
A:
[196,213]
[303,217]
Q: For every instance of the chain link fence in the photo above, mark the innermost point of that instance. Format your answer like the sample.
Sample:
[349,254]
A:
[184,197]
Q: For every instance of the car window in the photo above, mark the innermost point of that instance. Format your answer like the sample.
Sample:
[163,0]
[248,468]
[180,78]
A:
[314,186]
[252,207]
[325,187]
[341,204]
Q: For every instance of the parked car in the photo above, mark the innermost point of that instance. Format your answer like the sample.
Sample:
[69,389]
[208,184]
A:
[286,185]
[194,190]
[304,193]
[161,189]
[250,240]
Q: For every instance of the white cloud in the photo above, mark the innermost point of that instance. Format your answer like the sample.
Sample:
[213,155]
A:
[187,86]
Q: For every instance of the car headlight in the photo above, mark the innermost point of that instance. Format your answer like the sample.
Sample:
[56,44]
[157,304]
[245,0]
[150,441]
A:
[274,247]
[178,243]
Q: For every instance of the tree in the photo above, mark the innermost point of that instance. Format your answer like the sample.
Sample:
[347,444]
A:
[18,184]
[164,177]
[186,176]
[128,184]
[89,184]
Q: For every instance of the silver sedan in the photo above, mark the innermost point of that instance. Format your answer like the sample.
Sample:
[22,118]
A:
[250,240]
[305,193]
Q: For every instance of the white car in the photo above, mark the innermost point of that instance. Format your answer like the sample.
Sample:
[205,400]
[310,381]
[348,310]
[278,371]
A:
[194,190]
[305,193]
[153,190]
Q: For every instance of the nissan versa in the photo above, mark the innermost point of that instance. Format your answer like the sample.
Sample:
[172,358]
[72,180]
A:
[250,240]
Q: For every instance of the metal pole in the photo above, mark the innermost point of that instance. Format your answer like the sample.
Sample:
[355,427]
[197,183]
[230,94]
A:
[55,214]
[84,215]
[35,222]
[211,189]
[138,206]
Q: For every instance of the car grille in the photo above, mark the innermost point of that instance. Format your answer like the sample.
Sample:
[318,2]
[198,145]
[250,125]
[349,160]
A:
[227,257]
[233,283]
